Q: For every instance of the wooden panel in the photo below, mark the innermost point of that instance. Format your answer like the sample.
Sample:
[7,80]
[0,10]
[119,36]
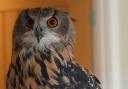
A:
[2,73]
[1,36]
[6,5]
[9,20]
[80,10]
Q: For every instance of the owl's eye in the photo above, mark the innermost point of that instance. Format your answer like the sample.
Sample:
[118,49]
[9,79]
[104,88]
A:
[29,22]
[52,22]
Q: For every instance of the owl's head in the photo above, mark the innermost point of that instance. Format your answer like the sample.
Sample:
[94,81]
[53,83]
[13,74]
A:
[42,28]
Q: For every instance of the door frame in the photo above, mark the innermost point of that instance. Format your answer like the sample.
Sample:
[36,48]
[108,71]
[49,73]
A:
[106,44]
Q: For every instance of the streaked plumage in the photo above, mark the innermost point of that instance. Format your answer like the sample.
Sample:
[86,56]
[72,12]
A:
[42,55]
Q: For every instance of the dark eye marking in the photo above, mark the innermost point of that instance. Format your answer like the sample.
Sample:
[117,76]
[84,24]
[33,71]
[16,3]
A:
[52,22]
[29,22]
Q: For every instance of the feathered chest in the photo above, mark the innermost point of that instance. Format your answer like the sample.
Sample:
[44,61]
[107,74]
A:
[31,70]
[47,70]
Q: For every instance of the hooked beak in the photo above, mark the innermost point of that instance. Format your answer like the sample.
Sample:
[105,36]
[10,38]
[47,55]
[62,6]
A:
[38,33]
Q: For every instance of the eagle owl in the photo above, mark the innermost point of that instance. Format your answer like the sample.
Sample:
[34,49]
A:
[42,56]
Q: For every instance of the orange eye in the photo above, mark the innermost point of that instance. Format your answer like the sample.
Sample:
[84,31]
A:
[29,22]
[52,22]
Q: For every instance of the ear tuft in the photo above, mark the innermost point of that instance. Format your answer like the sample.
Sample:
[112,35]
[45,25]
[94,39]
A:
[73,19]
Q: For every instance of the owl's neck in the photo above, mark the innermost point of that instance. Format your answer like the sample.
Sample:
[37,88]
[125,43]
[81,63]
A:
[45,55]
[46,63]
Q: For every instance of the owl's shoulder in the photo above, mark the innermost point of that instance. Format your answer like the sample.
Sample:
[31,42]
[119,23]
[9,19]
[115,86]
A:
[74,76]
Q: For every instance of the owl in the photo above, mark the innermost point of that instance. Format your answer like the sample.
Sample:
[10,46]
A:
[42,56]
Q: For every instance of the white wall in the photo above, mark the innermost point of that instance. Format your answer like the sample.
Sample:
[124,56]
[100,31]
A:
[106,43]
[124,42]
[98,35]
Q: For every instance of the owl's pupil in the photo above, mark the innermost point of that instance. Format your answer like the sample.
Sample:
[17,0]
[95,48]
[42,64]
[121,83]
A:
[52,22]
[29,22]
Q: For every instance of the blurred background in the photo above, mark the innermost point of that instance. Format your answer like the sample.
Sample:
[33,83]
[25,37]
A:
[101,36]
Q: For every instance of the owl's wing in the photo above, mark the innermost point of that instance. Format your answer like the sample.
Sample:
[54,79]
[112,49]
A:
[73,76]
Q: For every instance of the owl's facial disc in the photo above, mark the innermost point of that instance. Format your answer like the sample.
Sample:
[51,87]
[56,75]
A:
[45,37]
[40,37]
[47,40]
[42,28]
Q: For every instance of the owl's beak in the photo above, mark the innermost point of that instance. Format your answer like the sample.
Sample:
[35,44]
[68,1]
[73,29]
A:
[38,34]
